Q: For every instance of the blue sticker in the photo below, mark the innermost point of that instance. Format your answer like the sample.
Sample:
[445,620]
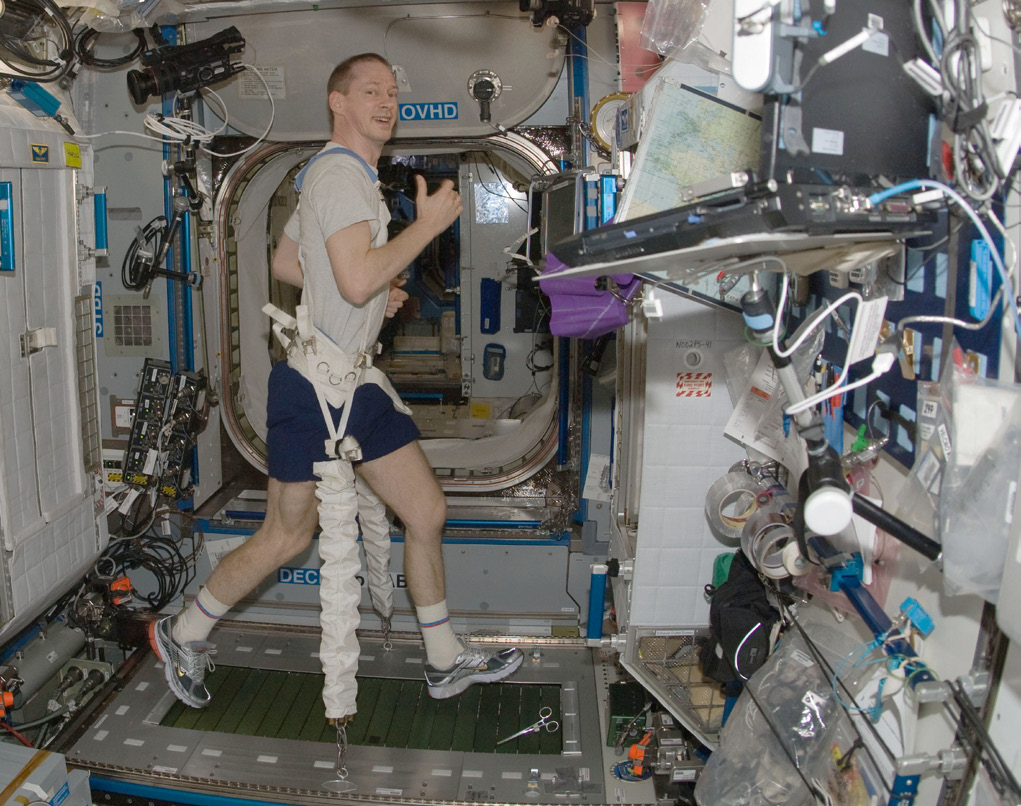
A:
[980,280]
[40,153]
[97,300]
[438,110]
[6,227]
[61,795]
[903,438]
[915,272]
[942,265]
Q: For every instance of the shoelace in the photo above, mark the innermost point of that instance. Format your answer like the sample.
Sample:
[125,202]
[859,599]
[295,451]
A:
[475,655]
[191,663]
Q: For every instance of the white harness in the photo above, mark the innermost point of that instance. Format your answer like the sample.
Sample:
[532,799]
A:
[333,373]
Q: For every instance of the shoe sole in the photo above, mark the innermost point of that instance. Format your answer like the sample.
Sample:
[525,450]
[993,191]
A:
[445,692]
[172,682]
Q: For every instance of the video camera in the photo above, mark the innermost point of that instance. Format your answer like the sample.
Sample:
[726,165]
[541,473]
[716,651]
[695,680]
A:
[186,68]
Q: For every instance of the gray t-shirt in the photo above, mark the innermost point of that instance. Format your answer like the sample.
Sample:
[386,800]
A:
[336,193]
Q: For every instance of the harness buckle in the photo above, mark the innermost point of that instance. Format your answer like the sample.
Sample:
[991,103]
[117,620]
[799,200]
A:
[346,448]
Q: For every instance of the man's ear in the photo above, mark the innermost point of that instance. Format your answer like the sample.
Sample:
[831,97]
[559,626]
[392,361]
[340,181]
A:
[336,101]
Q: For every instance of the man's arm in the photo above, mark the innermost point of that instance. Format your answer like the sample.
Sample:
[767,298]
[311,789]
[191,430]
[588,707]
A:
[361,271]
[285,266]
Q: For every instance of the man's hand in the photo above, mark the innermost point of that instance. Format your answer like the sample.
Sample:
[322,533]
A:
[437,210]
[395,299]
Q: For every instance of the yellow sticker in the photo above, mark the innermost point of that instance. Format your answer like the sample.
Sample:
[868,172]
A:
[72,155]
[481,411]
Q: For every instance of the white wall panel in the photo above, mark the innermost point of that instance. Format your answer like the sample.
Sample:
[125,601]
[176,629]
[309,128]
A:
[684,453]
[19,507]
[51,559]
[48,511]
[48,204]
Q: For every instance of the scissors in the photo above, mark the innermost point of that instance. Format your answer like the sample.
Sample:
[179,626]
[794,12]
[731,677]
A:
[551,725]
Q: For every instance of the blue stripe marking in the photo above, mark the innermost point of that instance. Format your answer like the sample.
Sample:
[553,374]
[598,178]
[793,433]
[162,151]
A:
[170,795]
[205,612]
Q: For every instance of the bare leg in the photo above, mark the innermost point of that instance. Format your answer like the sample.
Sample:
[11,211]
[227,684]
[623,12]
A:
[406,483]
[181,643]
[288,528]
[291,518]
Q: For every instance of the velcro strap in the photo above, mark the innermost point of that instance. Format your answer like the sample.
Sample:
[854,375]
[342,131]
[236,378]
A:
[282,317]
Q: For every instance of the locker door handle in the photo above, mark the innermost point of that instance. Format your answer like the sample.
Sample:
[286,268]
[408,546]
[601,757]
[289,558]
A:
[36,339]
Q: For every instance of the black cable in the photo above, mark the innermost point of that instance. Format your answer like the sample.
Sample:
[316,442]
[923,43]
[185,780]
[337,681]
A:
[162,558]
[978,171]
[65,60]
[139,266]
[986,748]
[85,42]
[16,48]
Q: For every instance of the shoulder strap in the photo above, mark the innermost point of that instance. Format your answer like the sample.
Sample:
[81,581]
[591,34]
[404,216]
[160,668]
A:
[299,180]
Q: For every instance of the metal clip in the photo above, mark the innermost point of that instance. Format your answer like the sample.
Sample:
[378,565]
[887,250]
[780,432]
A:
[387,643]
[341,725]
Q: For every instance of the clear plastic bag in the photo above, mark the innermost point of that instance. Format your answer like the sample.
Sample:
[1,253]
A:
[976,504]
[738,365]
[671,25]
[753,765]
[118,16]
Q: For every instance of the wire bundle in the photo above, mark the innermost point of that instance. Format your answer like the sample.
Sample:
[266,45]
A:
[85,41]
[12,42]
[956,50]
[139,260]
[172,569]
[976,169]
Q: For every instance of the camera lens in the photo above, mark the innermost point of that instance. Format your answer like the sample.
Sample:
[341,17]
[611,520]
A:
[141,86]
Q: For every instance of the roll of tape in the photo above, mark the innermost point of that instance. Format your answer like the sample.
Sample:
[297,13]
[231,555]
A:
[730,502]
[795,564]
[763,540]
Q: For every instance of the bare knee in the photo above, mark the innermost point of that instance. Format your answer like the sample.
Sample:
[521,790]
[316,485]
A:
[291,518]
[427,522]
[292,541]
[278,542]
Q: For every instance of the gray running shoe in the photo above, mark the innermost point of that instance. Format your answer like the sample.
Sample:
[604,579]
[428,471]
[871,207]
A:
[185,666]
[475,665]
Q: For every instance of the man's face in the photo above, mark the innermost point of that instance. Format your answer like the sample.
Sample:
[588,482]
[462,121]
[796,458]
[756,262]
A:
[369,107]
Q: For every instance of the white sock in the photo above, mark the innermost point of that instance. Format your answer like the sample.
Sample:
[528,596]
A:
[196,621]
[442,646]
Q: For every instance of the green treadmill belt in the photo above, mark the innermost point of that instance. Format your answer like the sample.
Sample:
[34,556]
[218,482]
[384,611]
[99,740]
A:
[391,713]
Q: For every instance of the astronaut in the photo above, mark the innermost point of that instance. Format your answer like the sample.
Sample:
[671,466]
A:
[330,412]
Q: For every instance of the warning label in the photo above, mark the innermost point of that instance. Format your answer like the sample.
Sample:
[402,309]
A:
[694,384]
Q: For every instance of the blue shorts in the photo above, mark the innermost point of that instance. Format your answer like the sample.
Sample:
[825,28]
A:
[297,432]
